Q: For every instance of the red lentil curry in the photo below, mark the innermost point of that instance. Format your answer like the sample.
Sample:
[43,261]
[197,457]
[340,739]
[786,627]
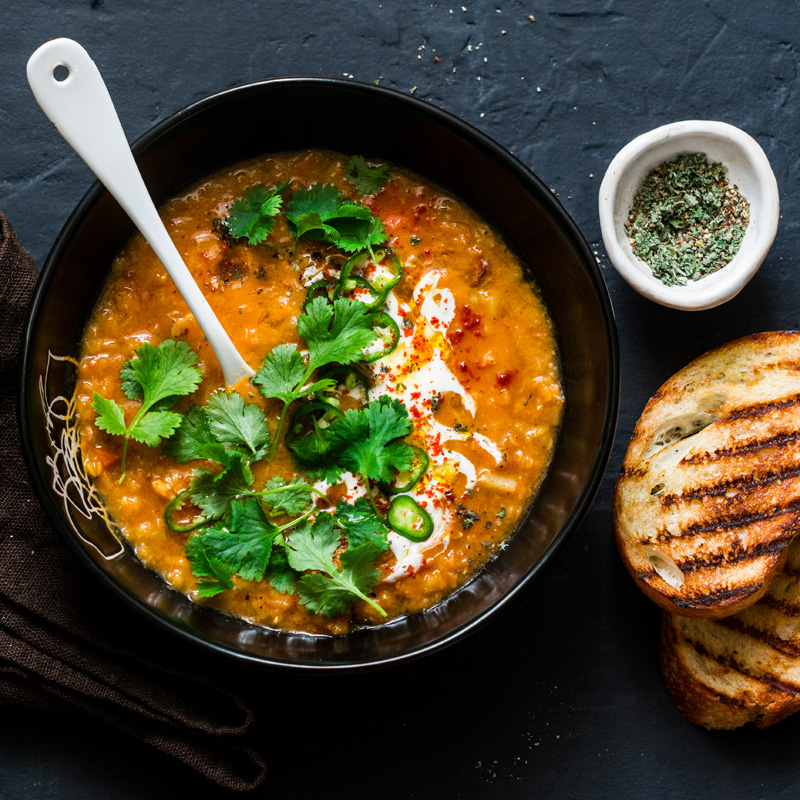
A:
[443,426]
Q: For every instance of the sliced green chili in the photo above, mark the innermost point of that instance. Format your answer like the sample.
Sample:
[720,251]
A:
[346,377]
[385,282]
[295,428]
[356,288]
[388,337]
[183,527]
[376,279]
[408,519]
[320,288]
[409,479]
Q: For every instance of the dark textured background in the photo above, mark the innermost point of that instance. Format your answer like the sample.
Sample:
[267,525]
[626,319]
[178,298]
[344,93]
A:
[559,695]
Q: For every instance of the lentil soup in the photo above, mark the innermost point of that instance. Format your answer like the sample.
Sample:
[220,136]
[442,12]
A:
[473,362]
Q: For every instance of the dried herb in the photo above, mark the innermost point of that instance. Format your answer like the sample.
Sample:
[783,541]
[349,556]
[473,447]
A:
[687,221]
[467,517]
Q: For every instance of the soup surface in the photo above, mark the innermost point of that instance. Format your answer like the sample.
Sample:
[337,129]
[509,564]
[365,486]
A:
[474,367]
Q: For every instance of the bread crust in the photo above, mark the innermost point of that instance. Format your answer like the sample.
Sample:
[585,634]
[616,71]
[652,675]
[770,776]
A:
[708,499]
[745,668]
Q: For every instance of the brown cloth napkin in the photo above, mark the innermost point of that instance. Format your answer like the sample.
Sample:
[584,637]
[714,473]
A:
[65,645]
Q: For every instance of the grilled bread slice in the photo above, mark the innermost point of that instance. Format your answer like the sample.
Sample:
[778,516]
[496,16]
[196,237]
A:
[745,668]
[709,495]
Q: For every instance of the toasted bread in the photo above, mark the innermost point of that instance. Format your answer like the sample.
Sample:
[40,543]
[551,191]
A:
[708,499]
[745,668]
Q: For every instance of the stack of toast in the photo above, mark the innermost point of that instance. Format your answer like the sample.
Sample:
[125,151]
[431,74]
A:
[706,512]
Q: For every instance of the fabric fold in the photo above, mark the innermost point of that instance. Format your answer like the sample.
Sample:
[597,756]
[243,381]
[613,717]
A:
[67,646]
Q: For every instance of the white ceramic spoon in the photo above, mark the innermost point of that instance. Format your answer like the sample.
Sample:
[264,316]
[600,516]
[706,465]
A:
[79,105]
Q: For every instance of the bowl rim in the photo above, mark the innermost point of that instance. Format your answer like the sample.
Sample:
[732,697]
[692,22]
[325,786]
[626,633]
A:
[730,280]
[498,153]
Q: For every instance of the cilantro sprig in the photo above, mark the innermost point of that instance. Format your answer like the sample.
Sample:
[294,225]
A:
[334,333]
[235,435]
[327,588]
[323,213]
[252,217]
[366,179]
[367,441]
[157,377]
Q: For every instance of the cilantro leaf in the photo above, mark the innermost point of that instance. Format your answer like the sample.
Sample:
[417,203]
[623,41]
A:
[212,572]
[247,547]
[361,524]
[313,546]
[335,333]
[366,179]
[287,497]
[213,494]
[279,574]
[282,372]
[194,439]
[364,439]
[356,236]
[110,416]
[253,216]
[330,589]
[154,427]
[322,212]
[236,423]
[323,594]
[157,377]
[308,209]
[312,454]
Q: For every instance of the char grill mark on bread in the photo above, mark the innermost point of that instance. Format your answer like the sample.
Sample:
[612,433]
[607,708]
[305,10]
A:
[745,668]
[708,498]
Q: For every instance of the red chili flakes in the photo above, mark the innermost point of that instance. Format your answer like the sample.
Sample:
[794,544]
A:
[416,395]
[504,378]
[469,319]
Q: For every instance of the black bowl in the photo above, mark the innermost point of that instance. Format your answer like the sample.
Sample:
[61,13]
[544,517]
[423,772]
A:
[239,124]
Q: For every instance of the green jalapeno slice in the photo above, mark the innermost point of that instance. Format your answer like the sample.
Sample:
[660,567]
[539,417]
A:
[347,378]
[408,519]
[391,271]
[183,527]
[320,288]
[410,477]
[385,273]
[321,411]
[388,337]
[355,288]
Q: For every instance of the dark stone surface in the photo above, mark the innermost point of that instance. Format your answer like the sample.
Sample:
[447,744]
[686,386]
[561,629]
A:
[560,695]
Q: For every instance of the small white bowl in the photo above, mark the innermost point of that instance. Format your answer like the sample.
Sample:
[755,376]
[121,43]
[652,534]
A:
[748,169]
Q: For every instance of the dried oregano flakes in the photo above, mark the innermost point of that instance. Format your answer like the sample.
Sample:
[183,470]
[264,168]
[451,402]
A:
[687,220]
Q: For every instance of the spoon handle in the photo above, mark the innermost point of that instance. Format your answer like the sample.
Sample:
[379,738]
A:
[77,102]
